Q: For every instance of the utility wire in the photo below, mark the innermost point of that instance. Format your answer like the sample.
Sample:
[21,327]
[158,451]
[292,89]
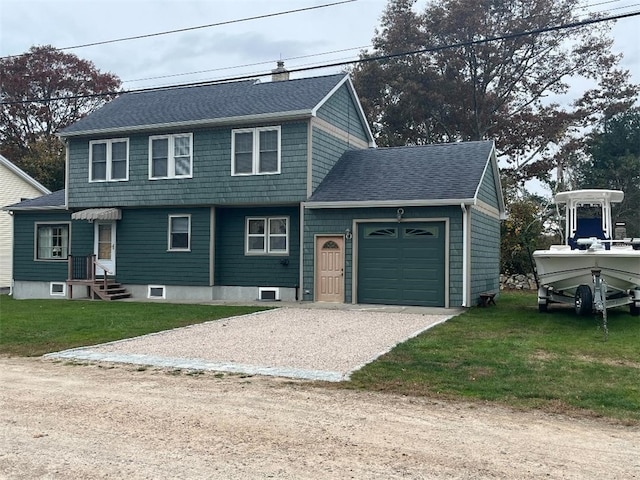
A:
[187,29]
[509,36]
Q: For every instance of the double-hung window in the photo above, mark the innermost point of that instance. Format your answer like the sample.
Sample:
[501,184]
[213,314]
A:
[52,241]
[171,156]
[109,160]
[255,151]
[179,233]
[267,236]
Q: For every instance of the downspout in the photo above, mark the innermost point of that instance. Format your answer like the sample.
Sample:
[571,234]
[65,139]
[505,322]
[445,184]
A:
[465,253]
[65,141]
[300,286]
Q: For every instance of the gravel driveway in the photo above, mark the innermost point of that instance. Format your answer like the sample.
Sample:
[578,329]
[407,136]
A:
[308,343]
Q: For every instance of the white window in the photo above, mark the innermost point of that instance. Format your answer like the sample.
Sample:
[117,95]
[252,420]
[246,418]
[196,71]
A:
[109,160]
[179,233]
[157,291]
[170,156]
[255,151]
[52,241]
[57,289]
[267,236]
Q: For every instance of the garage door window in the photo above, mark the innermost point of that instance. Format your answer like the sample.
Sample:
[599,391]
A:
[433,232]
[373,232]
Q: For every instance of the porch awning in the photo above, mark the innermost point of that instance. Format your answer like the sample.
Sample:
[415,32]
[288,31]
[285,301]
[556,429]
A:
[92,214]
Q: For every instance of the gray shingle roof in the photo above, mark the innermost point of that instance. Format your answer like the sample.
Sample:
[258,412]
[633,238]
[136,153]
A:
[450,171]
[206,103]
[51,201]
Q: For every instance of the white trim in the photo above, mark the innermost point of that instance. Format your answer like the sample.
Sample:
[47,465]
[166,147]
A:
[63,293]
[266,235]
[171,159]
[109,159]
[212,246]
[465,253]
[170,232]
[152,287]
[275,290]
[255,151]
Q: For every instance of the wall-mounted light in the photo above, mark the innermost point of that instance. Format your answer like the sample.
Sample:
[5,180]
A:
[399,213]
[347,234]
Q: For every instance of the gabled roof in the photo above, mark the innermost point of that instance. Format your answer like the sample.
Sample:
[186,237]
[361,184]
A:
[439,174]
[23,175]
[215,104]
[52,201]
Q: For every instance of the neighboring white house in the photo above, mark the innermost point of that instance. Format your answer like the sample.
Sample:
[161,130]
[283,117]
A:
[15,185]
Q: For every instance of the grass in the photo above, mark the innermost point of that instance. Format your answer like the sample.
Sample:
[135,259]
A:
[513,355]
[35,327]
[507,354]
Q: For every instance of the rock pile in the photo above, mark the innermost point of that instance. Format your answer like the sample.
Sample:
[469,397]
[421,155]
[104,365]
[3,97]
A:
[517,282]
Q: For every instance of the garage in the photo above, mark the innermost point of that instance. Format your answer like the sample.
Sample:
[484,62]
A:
[401,263]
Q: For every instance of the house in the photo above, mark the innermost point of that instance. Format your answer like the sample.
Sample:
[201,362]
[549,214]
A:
[15,185]
[262,190]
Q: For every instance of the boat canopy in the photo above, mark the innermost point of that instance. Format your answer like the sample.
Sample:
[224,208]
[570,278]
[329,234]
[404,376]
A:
[577,197]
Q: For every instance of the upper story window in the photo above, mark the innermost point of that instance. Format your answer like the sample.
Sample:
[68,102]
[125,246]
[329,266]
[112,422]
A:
[267,236]
[171,156]
[109,160]
[255,151]
[52,241]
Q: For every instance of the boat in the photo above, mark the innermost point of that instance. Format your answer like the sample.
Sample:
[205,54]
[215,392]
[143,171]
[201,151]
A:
[592,270]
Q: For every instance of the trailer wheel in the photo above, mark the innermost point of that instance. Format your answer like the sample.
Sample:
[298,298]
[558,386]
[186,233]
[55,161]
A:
[542,307]
[584,300]
[634,309]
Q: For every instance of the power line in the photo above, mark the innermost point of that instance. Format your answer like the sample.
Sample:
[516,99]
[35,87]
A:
[468,43]
[187,29]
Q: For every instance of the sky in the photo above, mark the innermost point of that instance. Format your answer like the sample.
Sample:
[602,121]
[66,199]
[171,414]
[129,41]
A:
[240,48]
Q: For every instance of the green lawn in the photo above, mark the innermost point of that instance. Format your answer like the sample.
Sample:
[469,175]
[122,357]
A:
[509,354]
[36,327]
[513,355]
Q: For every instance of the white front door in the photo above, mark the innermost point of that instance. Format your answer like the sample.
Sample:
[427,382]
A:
[105,247]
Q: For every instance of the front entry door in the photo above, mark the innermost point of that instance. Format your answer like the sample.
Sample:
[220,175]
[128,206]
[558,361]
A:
[105,247]
[330,269]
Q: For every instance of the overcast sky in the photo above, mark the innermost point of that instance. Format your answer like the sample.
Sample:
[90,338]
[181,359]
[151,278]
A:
[300,39]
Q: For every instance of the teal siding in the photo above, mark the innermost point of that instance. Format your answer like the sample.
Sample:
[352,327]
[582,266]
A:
[142,243]
[488,192]
[326,150]
[485,254]
[25,267]
[212,182]
[341,110]
[336,221]
[234,268]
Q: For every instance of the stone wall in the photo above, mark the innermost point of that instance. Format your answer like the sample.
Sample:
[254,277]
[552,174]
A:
[517,282]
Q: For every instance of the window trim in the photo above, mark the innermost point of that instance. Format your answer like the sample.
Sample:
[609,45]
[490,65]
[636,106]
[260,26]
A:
[171,159]
[109,142]
[266,235]
[36,227]
[170,232]
[255,157]
[157,287]
[63,293]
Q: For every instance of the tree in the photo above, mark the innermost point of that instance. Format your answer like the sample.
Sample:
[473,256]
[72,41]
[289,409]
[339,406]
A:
[41,92]
[498,89]
[613,161]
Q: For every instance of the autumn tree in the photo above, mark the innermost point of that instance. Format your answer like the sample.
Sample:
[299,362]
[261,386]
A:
[480,74]
[41,92]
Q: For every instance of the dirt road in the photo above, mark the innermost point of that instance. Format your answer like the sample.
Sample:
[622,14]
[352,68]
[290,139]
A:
[98,421]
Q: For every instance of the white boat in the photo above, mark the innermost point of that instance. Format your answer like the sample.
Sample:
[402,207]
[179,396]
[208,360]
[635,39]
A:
[592,270]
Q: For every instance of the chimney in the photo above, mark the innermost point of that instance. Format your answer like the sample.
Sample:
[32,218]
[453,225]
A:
[279,74]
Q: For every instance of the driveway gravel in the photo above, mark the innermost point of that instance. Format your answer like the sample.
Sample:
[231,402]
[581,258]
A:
[307,343]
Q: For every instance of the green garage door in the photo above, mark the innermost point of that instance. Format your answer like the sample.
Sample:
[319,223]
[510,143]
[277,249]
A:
[401,263]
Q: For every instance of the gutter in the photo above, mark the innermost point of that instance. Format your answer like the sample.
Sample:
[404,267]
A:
[390,203]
